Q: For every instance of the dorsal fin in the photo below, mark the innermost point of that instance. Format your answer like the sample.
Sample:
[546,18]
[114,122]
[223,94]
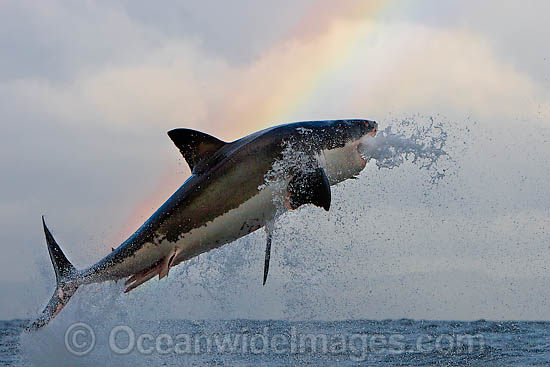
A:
[195,146]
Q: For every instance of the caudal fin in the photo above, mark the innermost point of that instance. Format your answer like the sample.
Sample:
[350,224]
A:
[66,282]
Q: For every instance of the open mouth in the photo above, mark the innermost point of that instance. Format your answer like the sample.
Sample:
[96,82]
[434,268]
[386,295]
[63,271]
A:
[361,150]
[363,142]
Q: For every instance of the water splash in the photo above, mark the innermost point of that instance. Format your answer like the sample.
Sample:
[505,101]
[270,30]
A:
[276,180]
[421,143]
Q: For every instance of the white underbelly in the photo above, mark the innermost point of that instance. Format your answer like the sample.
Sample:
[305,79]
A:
[236,223]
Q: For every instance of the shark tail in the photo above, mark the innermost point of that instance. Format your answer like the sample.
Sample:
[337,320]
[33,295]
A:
[66,277]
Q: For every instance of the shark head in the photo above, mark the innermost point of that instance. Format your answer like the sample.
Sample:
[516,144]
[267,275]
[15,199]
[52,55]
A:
[351,131]
[341,147]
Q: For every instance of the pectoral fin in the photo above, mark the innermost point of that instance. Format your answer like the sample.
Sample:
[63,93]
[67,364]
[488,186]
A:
[267,253]
[310,188]
[166,264]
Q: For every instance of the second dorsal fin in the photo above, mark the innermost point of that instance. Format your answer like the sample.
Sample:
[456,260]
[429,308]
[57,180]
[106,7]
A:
[195,146]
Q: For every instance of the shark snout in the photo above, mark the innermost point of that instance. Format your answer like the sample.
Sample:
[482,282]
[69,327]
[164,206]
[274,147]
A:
[373,127]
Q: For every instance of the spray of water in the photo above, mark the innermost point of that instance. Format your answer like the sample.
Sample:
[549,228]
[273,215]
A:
[404,140]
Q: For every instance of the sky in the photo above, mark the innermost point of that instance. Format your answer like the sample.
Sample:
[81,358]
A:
[88,91]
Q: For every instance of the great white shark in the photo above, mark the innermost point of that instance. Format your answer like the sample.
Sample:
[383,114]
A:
[234,189]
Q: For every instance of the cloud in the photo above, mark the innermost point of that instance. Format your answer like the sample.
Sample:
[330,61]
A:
[357,68]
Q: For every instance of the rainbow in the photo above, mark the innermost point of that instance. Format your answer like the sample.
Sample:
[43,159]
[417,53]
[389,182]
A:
[299,84]
[324,44]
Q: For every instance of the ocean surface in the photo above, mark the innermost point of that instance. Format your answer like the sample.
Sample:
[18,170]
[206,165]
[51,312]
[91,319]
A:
[280,343]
